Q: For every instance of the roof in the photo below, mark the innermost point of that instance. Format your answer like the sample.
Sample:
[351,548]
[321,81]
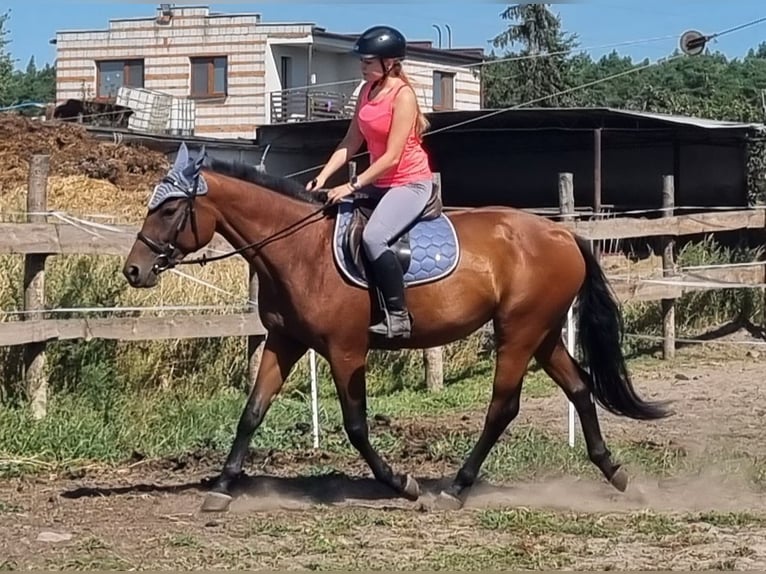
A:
[532,119]
[576,118]
[693,121]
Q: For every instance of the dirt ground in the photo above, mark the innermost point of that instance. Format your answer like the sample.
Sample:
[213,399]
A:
[147,515]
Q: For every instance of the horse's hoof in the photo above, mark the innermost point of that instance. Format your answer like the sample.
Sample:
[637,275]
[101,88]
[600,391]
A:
[411,489]
[619,479]
[216,502]
[446,501]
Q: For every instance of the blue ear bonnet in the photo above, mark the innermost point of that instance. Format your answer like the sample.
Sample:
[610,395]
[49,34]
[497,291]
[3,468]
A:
[182,179]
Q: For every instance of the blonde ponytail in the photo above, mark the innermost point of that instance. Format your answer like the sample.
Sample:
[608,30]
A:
[421,122]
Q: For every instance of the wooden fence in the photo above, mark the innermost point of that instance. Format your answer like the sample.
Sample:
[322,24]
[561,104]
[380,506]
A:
[37,239]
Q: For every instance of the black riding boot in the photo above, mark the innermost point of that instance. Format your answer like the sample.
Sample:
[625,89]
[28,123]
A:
[389,278]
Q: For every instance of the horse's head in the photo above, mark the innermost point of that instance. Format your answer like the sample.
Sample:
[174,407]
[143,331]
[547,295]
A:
[176,224]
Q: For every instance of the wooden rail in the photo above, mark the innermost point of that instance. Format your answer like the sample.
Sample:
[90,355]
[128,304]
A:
[58,238]
[675,225]
[131,328]
[653,289]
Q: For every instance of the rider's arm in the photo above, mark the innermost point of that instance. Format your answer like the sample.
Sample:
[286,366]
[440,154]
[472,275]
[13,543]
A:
[348,146]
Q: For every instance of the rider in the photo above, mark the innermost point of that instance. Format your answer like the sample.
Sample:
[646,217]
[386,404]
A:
[389,120]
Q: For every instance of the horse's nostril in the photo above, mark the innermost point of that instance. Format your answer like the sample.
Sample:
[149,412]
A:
[132,272]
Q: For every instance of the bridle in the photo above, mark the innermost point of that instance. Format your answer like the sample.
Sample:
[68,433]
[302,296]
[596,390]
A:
[168,254]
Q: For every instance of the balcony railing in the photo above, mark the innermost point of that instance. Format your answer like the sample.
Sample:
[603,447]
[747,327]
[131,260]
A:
[309,105]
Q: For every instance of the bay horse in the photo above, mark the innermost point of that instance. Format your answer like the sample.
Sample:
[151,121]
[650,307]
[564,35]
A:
[519,270]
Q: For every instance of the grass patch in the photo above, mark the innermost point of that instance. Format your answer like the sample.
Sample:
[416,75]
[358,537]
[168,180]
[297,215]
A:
[118,428]
[728,519]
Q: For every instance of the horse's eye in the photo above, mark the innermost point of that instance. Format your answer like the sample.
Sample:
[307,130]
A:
[168,211]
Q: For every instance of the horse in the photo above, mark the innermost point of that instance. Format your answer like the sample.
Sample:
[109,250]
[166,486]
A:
[464,268]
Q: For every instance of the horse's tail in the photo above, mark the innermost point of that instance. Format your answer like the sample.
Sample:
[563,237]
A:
[600,326]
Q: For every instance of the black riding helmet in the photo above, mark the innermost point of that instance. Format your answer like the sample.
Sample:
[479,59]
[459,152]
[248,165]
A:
[381,42]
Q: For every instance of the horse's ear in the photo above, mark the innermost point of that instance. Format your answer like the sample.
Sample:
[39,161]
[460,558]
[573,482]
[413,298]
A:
[182,157]
[201,157]
[193,170]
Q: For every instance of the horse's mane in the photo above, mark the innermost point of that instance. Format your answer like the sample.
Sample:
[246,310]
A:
[279,184]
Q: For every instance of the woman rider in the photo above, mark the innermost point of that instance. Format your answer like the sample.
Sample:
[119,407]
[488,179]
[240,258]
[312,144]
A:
[389,120]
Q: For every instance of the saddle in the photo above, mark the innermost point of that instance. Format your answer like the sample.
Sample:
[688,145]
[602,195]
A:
[361,210]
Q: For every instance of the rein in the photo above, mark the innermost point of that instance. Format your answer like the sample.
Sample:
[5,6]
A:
[256,245]
[167,253]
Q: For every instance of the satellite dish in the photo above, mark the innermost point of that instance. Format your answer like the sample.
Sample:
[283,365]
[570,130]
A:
[693,42]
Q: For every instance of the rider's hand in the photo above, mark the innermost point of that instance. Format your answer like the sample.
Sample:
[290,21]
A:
[315,184]
[339,192]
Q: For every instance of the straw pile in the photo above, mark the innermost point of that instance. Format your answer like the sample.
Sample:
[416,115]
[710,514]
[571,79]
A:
[87,176]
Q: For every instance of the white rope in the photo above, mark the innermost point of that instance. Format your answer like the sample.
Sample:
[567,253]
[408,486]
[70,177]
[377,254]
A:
[710,284]
[723,265]
[211,286]
[564,52]
[581,211]
[74,223]
[120,309]
[697,341]
[683,270]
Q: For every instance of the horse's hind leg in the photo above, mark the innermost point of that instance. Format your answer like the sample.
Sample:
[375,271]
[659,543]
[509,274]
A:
[514,350]
[573,380]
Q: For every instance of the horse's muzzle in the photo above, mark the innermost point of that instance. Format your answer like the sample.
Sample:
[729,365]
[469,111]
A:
[138,277]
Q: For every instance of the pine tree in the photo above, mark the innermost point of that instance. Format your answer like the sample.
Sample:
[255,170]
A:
[543,67]
[6,63]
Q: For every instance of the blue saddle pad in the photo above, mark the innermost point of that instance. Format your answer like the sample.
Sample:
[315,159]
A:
[433,244]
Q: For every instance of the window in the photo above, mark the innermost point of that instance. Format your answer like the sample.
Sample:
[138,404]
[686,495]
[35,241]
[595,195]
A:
[209,77]
[444,91]
[111,74]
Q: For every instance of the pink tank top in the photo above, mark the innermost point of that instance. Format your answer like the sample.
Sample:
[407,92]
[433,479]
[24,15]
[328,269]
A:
[374,121]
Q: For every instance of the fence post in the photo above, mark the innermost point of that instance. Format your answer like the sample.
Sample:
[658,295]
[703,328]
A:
[254,342]
[35,376]
[566,194]
[668,269]
[567,211]
[433,357]
[596,245]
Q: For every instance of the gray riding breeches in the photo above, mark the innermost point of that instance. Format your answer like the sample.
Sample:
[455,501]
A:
[398,207]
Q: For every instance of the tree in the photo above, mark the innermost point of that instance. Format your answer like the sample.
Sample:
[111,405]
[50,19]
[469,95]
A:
[34,85]
[540,69]
[31,85]
[6,63]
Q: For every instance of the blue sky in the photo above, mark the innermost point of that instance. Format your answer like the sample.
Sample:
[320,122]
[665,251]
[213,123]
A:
[473,23]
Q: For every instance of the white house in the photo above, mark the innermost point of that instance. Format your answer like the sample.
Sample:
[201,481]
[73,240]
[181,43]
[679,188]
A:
[236,72]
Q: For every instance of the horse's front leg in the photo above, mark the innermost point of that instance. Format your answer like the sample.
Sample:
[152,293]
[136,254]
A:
[348,371]
[279,356]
